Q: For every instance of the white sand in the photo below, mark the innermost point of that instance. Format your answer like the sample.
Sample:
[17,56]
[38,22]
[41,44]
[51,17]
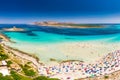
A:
[85,51]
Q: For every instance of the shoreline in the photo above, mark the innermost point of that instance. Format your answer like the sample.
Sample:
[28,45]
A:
[23,55]
[44,67]
[5,38]
[64,51]
[45,70]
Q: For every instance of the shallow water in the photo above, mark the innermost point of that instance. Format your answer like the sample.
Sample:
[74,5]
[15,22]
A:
[42,41]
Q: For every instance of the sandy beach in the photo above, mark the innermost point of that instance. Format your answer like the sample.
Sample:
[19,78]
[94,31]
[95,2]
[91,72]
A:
[83,51]
[96,57]
[88,51]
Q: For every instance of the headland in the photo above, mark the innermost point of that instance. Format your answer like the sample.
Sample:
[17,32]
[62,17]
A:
[67,25]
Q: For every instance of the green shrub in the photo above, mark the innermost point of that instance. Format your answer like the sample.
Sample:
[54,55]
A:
[9,63]
[28,72]
[3,56]
[106,77]
[15,75]
[44,78]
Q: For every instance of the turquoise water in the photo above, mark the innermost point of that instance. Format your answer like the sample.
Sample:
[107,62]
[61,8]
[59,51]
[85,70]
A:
[42,41]
[43,37]
[38,34]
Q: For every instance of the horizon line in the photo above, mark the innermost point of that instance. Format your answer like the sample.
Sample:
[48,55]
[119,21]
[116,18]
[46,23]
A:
[61,22]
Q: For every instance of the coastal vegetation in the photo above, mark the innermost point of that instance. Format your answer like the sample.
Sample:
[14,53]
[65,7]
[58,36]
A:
[15,76]
[3,56]
[5,77]
[52,59]
[106,77]
[28,71]
[44,78]
[9,63]
[71,61]
[20,69]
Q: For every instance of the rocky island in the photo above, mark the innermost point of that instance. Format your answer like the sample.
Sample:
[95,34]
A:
[68,25]
[14,28]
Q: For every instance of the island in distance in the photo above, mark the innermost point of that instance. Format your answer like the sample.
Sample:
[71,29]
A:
[68,25]
[14,28]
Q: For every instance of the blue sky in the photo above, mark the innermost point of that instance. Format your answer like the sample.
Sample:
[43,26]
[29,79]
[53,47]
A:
[79,11]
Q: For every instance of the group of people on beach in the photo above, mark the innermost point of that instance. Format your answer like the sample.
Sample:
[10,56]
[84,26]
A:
[108,64]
